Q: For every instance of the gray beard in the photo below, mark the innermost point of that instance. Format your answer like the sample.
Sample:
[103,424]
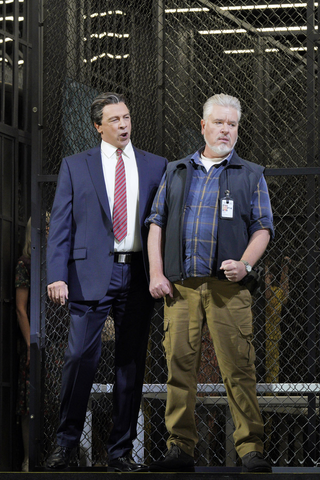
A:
[220,149]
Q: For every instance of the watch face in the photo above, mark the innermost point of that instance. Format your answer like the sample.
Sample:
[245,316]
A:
[247,265]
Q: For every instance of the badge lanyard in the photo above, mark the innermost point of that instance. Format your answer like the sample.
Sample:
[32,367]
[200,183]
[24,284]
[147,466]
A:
[226,203]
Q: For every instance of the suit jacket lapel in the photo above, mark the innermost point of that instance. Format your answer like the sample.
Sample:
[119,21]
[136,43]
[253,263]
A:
[96,172]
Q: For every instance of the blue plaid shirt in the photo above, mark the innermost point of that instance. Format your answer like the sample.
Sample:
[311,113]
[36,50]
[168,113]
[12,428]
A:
[201,215]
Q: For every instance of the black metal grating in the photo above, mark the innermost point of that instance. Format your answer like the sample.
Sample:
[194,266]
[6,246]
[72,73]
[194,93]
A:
[168,58]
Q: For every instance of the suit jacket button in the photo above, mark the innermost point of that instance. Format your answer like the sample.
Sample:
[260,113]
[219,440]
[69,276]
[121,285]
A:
[110,253]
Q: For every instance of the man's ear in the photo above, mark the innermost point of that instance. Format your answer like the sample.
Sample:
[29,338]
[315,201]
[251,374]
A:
[98,127]
[202,125]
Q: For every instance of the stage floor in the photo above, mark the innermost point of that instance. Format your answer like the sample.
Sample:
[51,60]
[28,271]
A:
[280,473]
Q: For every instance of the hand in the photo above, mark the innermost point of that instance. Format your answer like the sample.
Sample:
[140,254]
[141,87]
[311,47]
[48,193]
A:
[233,270]
[58,292]
[160,286]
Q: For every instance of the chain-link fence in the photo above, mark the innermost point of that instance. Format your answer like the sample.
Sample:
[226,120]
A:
[168,57]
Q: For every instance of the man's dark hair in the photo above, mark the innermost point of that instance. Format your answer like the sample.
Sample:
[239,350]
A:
[101,101]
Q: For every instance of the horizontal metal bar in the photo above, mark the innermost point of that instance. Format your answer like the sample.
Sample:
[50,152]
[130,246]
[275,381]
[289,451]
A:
[277,388]
[291,401]
[272,172]
[47,178]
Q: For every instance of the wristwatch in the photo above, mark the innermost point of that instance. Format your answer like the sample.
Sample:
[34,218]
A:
[247,265]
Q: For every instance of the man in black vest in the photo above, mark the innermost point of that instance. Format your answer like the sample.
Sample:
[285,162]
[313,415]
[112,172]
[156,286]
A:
[212,220]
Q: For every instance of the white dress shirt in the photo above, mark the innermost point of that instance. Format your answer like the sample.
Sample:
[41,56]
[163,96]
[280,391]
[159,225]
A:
[132,242]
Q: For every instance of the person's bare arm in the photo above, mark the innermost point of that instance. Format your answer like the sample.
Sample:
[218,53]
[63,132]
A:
[160,286]
[236,270]
[22,296]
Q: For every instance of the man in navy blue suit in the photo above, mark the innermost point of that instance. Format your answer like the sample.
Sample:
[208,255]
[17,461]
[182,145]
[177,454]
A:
[92,269]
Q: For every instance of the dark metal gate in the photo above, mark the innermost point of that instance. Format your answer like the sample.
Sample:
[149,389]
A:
[168,57]
[15,207]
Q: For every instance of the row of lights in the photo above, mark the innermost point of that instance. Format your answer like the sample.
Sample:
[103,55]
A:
[213,32]
[202,32]
[5,60]
[104,14]
[262,30]
[11,19]
[9,1]
[190,10]
[274,6]
[243,51]
[217,32]
[187,10]
[227,52]
[105,34]
[267,50]
[108,55]
[270,6]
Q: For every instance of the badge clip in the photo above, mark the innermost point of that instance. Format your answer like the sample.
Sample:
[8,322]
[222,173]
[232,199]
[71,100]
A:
[226,206]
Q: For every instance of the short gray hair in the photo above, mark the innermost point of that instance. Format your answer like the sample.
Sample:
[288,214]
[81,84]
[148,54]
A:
[223,101]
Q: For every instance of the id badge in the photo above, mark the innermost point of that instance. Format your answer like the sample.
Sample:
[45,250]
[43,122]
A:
[226,207]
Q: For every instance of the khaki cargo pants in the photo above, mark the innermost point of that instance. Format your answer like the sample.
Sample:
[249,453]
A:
[226,307]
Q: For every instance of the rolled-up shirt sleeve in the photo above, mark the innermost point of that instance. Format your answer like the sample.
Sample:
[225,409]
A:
[261,211]
[158,214]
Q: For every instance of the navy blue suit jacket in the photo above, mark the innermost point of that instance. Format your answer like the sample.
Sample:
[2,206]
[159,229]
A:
[81,242]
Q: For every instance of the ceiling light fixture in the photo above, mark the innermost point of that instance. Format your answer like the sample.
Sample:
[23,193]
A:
[109,55]
[103,14]
[262,30]
[186,10]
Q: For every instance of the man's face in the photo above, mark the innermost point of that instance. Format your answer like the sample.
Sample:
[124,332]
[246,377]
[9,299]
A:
[220,131]
[115,127]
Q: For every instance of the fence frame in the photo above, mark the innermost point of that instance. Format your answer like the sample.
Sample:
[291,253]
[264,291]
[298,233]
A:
[310,390]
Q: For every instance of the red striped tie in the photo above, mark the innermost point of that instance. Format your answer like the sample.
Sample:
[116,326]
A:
[120,200]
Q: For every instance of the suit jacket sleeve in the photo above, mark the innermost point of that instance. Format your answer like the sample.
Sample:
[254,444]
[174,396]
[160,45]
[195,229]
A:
[60,231]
